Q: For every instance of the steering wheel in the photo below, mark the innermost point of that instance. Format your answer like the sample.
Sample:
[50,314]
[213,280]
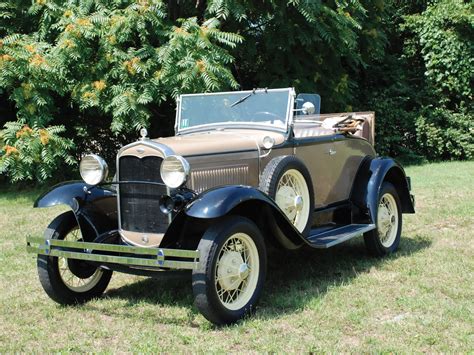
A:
[275,116]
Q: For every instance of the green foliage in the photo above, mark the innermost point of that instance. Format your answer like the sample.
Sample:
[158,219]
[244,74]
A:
[311,45]
[443,134]
[33,153]
[422,90]
[114,58]
[104,68]
[192,61]
[443,37]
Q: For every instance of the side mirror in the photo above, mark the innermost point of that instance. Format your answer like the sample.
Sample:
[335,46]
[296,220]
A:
[308,108]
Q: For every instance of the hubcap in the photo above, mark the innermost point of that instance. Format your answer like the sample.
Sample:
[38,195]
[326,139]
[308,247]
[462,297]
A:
[237,271]
[292,196]
[387,220]
[299,203]
[74,279]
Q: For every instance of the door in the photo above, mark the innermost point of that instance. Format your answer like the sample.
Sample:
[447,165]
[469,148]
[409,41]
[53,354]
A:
[333,162]
[319,155]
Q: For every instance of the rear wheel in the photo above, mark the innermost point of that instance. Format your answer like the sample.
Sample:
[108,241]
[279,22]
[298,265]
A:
[386,237]
[232,270]
[69,281]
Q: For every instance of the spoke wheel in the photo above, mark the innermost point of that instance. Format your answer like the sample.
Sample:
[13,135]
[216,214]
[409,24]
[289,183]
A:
[292,196]
[287,181]
[387,220]
[231,272]
[69,281]
[386,237]
[75,279]
[237,269]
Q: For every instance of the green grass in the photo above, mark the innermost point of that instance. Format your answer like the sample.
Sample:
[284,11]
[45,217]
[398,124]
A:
[420,299]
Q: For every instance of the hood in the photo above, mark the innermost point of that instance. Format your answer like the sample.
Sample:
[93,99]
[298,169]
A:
[223,141]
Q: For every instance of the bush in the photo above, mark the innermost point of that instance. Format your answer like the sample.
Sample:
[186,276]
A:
[443,134]
[443,37]
[33,153]
[118,59]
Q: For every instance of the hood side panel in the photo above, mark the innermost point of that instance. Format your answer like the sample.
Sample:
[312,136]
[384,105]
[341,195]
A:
[209,171]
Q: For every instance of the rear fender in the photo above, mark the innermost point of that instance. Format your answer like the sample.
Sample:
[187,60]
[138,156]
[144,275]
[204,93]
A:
[370,177]
[239,200]
[95,207]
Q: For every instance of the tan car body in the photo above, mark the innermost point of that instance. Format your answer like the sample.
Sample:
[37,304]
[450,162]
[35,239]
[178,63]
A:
[238,157]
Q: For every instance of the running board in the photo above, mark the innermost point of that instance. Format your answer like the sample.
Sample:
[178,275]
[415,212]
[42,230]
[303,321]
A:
[328,238]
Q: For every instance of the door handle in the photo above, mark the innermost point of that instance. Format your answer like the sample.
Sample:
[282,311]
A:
[332,151]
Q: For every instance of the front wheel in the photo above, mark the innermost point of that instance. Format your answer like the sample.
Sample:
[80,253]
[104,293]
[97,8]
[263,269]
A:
[69,281]
[386,237]
[230,278]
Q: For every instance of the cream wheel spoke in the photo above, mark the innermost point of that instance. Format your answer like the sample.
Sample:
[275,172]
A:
[71,281]
[387,220]
[292,196]
[235,280]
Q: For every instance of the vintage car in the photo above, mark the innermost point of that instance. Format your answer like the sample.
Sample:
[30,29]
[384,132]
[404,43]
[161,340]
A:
[245,171]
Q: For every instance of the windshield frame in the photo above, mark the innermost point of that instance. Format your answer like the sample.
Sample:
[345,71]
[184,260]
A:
[237,125]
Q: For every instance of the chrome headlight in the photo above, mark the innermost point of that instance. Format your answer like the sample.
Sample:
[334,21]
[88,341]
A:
[174,171]
[93,169]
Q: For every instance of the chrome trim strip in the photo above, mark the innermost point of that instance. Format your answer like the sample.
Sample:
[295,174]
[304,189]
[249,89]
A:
[53,247]
[233,92]
[231,125]
[290,114]
[164,149]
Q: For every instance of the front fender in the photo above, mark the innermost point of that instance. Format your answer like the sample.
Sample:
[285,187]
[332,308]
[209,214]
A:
[250,202]
[95,207]
[371,175]
[220,201]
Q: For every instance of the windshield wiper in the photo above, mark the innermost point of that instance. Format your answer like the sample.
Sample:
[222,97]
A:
[242,99]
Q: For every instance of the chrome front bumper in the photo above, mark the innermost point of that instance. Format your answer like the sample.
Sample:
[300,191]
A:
[149,257]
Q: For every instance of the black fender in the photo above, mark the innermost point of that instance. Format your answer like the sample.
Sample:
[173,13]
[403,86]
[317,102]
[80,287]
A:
[242,200]
[95,207]
[372,173]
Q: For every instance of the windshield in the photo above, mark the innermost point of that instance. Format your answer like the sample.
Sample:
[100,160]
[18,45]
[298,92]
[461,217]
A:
[241,109]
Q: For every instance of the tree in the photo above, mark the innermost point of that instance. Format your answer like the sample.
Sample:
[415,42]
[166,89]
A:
[118,58]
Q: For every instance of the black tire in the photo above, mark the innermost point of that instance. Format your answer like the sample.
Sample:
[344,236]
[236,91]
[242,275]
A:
[373,238]
[274,171]
[205,287]
[48,268]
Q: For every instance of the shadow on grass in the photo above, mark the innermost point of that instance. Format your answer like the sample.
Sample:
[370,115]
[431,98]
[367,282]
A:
[307,275]
[293,278]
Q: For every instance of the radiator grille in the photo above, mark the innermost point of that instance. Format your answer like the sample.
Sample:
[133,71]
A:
[201,180]
[139,203]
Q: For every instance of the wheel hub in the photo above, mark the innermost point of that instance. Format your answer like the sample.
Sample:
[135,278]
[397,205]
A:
[232,270]
[298,203]
[385,220]
[243,271]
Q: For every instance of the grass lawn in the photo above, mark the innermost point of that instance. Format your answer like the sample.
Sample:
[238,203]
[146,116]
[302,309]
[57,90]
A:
[420,299]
